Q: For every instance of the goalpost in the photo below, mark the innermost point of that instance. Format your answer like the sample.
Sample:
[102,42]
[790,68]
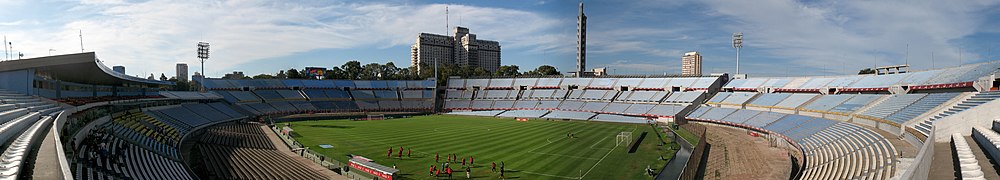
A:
[625,137]
[376,117]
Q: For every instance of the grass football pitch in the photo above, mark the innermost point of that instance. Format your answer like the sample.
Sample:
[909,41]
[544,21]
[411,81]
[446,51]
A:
[536,149]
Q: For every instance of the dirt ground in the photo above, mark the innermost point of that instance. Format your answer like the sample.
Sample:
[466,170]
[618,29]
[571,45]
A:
[736,155]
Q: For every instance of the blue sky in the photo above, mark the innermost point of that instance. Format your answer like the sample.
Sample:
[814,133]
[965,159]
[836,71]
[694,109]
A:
[783,37]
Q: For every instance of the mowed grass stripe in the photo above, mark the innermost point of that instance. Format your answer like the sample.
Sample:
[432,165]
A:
[451,144]
[432,136]
[460,146]
[517,132]
[564,146]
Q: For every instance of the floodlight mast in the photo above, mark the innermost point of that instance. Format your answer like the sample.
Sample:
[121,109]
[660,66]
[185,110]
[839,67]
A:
[738,44]
[203,55]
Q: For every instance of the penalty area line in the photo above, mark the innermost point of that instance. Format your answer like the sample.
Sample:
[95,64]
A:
[549,175]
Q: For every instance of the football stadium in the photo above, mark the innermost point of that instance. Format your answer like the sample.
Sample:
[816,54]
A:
[71,117]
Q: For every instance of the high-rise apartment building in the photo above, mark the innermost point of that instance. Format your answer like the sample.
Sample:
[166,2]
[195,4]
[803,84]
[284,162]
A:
[182,72]
[462,49]
[691,64]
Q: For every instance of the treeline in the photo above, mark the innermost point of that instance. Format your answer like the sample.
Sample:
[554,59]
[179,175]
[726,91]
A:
[354,70]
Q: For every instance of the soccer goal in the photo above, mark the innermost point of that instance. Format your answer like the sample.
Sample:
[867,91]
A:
[376,117]
[623,137]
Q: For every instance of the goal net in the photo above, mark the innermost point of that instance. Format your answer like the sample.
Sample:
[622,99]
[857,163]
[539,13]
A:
[623,137]
[375,117]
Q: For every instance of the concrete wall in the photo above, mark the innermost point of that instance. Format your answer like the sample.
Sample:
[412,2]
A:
[921,165]
[963,122]
[18,80]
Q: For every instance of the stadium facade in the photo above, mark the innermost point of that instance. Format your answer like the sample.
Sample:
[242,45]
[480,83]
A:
[72,113]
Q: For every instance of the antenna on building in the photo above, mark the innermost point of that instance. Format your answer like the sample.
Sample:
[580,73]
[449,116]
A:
[5,53]
[446,23]
[81,40]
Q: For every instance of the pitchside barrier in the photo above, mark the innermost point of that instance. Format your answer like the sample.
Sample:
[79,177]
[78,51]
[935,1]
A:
[305,152]
[344,116]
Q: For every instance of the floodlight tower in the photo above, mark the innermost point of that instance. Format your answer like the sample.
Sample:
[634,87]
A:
[203,55]
[738,44]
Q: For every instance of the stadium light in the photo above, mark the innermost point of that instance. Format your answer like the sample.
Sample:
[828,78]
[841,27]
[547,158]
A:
[203,55]
[738,44]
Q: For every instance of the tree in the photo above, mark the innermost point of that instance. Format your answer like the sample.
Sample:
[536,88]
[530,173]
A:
[510,70]
[544,70]
[404,74]
[182,86]
[867,71]
[352,69]
[280,75]
[263,76]
[293,74]
[336,73]
[389,71]
[371,71]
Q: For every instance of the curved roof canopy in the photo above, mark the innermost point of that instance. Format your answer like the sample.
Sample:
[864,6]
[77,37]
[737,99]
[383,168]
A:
[82,68]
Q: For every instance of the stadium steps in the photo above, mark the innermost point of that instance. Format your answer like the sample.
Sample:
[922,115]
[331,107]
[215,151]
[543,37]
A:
[973,101]
[148,143]
[981,146]
[871,105]
[803,105]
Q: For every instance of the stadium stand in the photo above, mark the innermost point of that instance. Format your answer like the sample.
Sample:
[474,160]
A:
[572,115]
[188,95]
[768,99]
[477,113]
[794,101]
[683,97]
[856,102]
[620,119]
[738,98]
[524,113]
[718,98]
[924,127]
[826,102]
[833,150]
[891,105]
[741,116]
[920,107]
[717,113]
[270,97]
[243,151]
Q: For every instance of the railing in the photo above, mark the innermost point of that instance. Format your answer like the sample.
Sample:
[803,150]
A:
[315,157]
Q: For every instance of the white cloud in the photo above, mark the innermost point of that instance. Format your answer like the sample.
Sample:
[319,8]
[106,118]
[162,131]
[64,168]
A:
[828,36]
[151,36]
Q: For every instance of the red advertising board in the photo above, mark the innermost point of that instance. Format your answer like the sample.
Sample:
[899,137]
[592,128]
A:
[372,168]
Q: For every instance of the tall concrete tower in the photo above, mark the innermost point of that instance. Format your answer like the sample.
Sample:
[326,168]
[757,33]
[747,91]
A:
[581,42]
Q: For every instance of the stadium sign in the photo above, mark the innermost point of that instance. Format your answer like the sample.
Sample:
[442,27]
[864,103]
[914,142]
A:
[315,72]
[377,170]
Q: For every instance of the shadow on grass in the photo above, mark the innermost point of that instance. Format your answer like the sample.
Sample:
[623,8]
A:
[331,126]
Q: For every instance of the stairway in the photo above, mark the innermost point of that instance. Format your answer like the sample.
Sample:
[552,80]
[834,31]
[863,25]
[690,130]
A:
[980,98]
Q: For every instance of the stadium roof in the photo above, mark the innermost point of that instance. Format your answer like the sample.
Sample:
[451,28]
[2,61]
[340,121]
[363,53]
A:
[78,68]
